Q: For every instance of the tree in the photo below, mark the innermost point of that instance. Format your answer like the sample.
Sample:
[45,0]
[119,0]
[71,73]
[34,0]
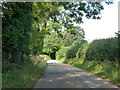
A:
[26,22]
[16,26]
[74,11]
[62,13]
[53,42]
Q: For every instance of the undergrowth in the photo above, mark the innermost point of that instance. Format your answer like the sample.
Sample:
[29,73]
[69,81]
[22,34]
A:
[104,69]
[25,75]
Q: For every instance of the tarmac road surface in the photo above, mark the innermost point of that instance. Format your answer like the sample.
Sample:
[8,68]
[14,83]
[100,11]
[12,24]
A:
[59,75]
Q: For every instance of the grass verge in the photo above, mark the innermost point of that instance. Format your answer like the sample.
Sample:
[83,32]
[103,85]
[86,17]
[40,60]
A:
[25,76]
[106,70]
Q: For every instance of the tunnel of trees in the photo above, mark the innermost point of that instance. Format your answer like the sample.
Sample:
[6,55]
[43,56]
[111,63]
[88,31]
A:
[31,28]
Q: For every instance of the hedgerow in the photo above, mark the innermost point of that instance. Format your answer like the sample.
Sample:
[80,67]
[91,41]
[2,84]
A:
[104,49]
[99,57]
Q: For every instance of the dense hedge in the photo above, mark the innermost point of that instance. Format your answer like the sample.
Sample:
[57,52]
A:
[71,51]
[61,53]
[99,57]
[81,53]
[104,49]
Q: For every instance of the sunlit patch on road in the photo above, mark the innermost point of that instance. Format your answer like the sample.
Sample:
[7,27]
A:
[59,75]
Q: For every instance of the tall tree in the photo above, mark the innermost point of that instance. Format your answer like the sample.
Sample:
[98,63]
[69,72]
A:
[26,22]
[16,26]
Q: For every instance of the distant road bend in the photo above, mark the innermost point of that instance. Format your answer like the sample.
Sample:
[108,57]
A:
[59,75]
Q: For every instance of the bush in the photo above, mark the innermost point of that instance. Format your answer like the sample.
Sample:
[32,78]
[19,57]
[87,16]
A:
[104,69]
[77,50]
[81,53]
[61,53]
[71,51]
[99,57]
[104,49]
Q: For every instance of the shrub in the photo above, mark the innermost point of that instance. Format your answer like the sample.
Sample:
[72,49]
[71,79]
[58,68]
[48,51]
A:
[76,49]
[81,53]
[104,49]
[73,49]
[61,53]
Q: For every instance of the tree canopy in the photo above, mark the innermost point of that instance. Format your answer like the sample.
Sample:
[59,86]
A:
[26,24]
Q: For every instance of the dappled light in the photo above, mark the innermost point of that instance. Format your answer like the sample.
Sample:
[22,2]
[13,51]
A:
[58,75]
[40,39]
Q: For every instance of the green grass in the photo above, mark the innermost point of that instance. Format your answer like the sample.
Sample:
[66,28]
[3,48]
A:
[26,76]
[105,70]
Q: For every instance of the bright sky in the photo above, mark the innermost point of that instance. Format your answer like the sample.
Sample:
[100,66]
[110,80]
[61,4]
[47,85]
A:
[105,27]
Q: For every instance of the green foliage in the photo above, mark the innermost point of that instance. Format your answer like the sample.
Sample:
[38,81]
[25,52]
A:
[104,49]
[52,44]
[21,28]
[61,53]
[41,12]
[81,53]
[71,51]
[54,41]
[99,57]
[72,34]
[25,76]
[104,69]
[25,28]
[36,39]
[27,23]
[76,10]
[16,24]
